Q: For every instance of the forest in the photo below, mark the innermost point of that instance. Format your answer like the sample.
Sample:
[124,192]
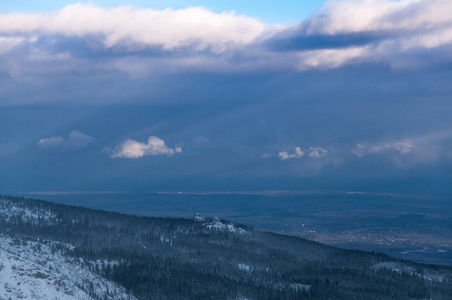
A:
[209,258]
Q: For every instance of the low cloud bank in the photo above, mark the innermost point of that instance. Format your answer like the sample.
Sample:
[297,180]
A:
[75,139]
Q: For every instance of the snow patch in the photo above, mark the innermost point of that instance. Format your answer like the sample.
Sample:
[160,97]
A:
[10,212]
[166,240]
[299,287]
[31,270]
[217,224]
[198,218]
[403,269]
[245,267]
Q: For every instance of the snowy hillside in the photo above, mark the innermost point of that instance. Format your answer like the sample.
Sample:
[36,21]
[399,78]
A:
[53,251]
[36,270]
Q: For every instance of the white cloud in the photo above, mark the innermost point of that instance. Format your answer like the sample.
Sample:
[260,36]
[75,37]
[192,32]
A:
[314,152]
[393,29]
[402,34]
[402,147]
[266,155]
[75,139]
[9,43]
[404,153]
[351,16]
[330,58]
[317,152]
[409,151]
[52,141]
[131,29]
[134,149]
[283,155]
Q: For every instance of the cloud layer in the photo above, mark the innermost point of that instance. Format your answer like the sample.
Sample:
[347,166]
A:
[410,151]
[131,29]
[134,149]
[141,42]
[75,139]
[402,153]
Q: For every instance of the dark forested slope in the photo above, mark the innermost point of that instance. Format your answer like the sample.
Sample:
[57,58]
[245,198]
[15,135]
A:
[158,258]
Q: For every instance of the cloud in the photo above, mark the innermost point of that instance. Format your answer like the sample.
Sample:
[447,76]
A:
[402,147]
[410,151]
[134,149]
[398,33]
[403,153]
[84,38]
[138,42]
[201,142]
[283,155]
[9,43]
[52,141]
[344,17]
[314,152]
[317,152]
[75,139]
[130,29]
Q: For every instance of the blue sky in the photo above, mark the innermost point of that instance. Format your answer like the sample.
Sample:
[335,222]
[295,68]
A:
[353,95]
[289,11]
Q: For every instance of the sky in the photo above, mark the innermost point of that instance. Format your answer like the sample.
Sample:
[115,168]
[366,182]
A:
[146,96]
[289,11]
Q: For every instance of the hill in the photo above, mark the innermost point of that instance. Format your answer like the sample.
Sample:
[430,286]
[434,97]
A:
[49,250]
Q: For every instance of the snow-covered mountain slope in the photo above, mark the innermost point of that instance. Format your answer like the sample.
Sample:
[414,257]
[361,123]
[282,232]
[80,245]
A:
[54,251]
[36,270]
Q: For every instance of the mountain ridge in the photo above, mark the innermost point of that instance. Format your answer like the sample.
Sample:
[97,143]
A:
[202,258]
